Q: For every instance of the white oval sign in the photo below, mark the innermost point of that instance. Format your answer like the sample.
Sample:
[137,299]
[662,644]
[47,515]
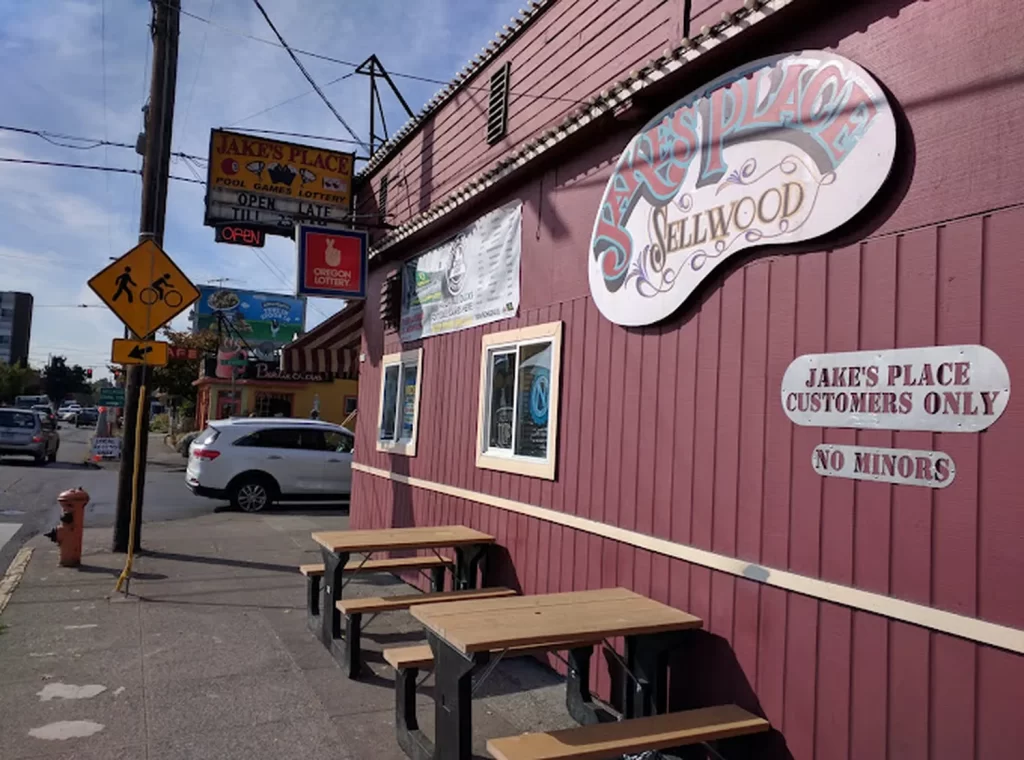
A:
[941,388]
[781,150]
[908,467]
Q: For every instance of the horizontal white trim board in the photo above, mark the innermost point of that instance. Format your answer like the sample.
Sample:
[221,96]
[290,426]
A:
[951,623]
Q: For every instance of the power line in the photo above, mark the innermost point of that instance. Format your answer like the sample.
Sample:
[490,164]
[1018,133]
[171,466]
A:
[308,76]
[342,62]
[65,165]
[199,68]
[297,134]
[53,137]
[296,97]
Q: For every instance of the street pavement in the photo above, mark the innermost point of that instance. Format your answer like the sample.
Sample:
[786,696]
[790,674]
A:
[28,493]
[208,657]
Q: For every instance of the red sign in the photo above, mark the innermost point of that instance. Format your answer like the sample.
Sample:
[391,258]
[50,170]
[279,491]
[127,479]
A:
[180,353]
[240,234]
[332,263]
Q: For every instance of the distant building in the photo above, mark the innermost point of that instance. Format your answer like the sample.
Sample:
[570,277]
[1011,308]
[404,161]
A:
[15,326]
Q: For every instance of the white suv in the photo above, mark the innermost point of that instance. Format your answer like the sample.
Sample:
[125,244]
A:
[255,462]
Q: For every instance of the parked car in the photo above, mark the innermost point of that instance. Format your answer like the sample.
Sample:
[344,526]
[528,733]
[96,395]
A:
[87,416]
[255,462]
[28,433]
[46,411]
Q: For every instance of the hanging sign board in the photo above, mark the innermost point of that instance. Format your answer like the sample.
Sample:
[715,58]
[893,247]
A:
[960,389]
[272,184]
[240,234]
[332,263]
[469,280]
[931,469]
[778,151]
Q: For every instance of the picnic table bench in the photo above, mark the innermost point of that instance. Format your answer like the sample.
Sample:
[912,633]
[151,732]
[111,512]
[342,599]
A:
[463,635]
[337,548]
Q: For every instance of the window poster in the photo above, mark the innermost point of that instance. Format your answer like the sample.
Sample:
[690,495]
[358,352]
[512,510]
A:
[408,400]
[534,398]
[389,403]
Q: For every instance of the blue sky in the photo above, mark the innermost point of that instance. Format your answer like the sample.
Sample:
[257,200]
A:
[81,68]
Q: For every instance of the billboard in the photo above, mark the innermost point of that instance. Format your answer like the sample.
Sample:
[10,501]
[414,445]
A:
[272,184]
[259,318]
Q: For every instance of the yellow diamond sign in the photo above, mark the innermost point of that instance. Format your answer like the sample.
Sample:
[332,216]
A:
[144,288]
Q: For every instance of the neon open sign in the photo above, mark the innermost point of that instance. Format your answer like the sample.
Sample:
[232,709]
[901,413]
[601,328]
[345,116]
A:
[240,234]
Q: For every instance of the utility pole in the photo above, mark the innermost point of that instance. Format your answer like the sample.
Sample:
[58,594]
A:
[155,173]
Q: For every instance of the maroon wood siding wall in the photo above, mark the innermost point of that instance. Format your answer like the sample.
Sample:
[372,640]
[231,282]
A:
[677,431]
[576,49]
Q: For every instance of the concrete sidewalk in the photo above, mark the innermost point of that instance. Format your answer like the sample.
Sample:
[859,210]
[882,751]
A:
[209,655]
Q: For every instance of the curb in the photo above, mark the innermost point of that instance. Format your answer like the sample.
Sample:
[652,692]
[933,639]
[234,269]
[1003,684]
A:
[12,578]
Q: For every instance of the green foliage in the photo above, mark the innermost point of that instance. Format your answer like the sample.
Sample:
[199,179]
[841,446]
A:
[159,423]
[177,377]
[14,379]
[60,381]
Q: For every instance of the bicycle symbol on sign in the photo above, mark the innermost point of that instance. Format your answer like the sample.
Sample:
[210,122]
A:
[156,292]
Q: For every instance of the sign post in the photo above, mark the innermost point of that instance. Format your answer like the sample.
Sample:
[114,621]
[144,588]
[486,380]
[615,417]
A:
[156,167]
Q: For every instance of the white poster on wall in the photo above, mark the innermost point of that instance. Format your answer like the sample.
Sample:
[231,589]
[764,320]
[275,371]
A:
[470,279]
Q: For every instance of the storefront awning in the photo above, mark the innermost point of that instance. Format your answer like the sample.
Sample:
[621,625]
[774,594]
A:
[332,346]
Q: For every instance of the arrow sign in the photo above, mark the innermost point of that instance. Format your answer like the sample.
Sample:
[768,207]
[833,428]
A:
[151,352]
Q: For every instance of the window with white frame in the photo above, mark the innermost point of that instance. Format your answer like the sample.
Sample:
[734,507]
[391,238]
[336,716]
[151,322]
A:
[518,418]
[399,402]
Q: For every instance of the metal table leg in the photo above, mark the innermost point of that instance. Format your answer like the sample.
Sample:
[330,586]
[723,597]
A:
[578,699]
[330,617]
[313,603]
[453,695]
[646,690]
[467,562]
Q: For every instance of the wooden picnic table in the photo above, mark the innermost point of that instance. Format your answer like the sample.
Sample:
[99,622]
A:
[463,635]
[336,547]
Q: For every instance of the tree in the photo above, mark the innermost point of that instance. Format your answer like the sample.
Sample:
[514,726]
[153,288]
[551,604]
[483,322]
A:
[177,377]
[59,380]
[13,381]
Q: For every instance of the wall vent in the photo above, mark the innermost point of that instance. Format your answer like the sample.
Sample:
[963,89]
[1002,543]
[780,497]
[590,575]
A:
[382,197]
[497,105]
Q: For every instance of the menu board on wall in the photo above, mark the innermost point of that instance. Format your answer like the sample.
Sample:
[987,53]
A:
[469,280]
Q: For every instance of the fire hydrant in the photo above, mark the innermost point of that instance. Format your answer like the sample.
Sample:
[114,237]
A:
[68,534]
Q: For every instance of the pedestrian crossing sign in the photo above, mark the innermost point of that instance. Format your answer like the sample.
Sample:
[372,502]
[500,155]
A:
[144,288]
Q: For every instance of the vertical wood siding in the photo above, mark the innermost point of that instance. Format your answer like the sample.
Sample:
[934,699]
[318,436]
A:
[677,431]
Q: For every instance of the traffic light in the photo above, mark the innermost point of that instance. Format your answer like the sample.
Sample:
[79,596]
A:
[88,373]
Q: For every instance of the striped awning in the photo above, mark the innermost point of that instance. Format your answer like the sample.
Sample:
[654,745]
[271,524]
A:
[332,346]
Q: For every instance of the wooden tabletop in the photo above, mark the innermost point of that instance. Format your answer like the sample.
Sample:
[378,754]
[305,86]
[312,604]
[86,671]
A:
[430,537]
[495,624]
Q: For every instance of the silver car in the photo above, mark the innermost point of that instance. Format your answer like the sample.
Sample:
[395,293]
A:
[26,433]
